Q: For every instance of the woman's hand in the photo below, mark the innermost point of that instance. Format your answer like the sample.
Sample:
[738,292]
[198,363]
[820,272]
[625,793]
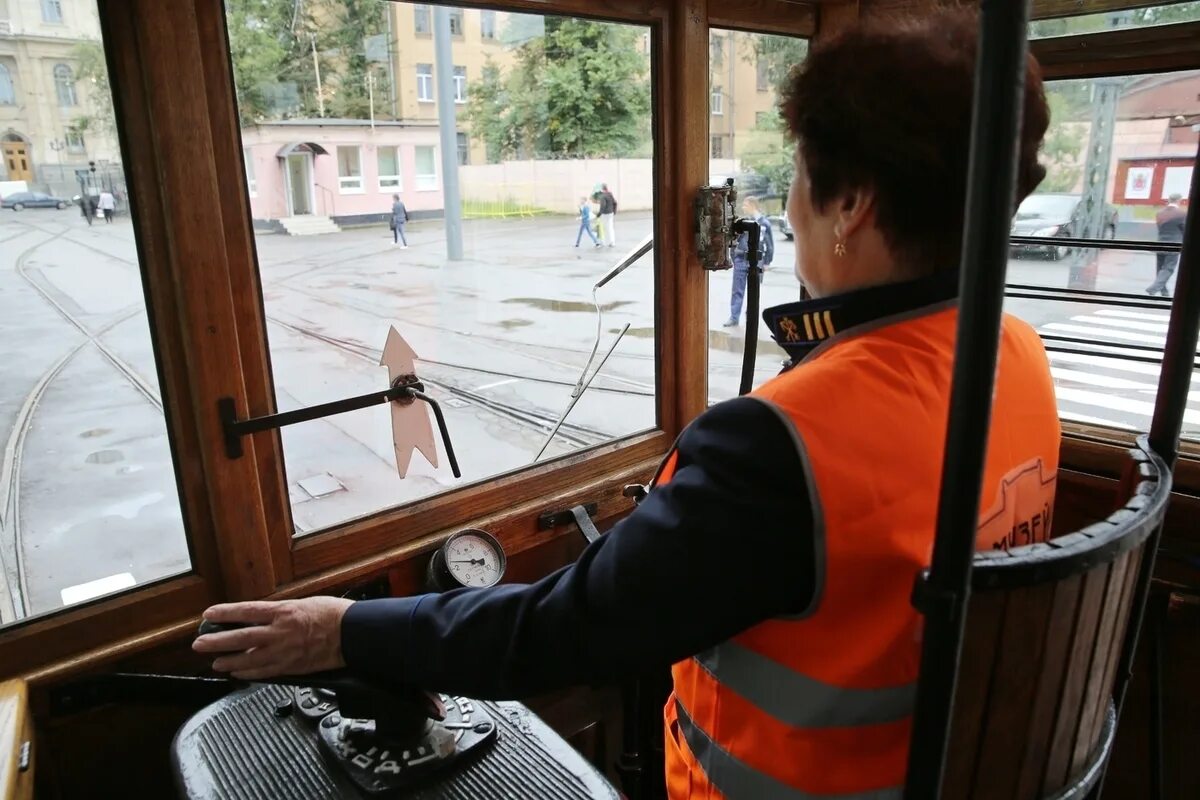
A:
[288,637]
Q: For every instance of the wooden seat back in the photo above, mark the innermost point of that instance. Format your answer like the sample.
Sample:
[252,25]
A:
[1046,628]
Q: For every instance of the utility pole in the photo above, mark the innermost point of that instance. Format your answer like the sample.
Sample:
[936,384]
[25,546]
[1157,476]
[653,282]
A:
[371,93]
[312,40]
[444,78]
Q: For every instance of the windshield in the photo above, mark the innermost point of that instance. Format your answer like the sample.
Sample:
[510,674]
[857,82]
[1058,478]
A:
[1047,205]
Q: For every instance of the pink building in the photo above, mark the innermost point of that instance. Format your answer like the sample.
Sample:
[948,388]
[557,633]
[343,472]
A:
[341,169]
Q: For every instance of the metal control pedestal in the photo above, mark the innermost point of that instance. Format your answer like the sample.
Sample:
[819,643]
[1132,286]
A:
[257,743]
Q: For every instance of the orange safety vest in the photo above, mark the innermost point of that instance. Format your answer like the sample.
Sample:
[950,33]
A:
[819,705]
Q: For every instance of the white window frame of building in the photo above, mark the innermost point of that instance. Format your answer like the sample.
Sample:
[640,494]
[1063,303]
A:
[717,102]
[716,147]
[389,182]
[75,142]
[422,19]
[456,22]
[487,24]
[251,181]
[762,75]
[350,183]
[425,83]
[8,88]
[464,148]
[52,11]
[427,182]
[64,86]
[460,85]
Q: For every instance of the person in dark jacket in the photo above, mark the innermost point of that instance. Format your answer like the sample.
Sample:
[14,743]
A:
[1170,229]
[399,218]
[608,210]
[741,258]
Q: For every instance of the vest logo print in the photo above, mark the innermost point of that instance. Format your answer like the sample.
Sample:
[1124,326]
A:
[1021,513]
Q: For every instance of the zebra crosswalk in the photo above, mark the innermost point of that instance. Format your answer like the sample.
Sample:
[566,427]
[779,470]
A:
[1111,390]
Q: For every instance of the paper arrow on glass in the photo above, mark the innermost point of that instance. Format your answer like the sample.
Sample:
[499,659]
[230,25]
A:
[411,428]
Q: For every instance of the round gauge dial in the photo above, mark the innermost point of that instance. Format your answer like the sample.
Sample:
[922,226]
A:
[471,558]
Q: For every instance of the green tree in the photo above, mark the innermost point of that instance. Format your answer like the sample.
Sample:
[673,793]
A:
[578,90]
[92,69]
[352,24]
[1064,141]
[1091,23]
[768,151]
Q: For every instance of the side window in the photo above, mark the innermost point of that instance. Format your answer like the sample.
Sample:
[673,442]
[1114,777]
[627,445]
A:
[490,295]
[746,143]
[89,504]
[1119,156]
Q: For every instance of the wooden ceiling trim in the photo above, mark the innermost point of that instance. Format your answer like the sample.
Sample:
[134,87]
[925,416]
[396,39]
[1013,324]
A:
[1161,48]
[783,17]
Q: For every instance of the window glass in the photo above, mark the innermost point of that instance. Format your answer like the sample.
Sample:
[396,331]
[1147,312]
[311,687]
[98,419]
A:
[1133,17]
[251,184]
[426,168]
[64,84]
[501,333]
[456,22]
[1119,156]
[460,84]
[718,102]
[8,92]
[389,168]
[52,11]
[88,497]
[349,168]
[746,143]
[425,83]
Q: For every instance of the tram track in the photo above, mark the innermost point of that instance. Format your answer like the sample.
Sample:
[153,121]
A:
[14,601]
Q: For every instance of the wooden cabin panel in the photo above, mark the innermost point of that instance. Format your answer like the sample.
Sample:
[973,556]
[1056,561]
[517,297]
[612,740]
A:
[1064,609]
[1097,694]
[1083,638]
[1014,688]
[984,621]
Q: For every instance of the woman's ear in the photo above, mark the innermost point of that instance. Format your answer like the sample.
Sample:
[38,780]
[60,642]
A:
[855,209]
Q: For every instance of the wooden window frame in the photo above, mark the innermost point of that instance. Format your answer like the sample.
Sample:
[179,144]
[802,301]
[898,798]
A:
[197,256]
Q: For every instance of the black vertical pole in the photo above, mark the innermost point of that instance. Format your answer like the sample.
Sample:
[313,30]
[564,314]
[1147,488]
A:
[1171,401]
[991,190]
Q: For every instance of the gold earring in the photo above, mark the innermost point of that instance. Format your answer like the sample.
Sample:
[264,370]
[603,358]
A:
[839,249]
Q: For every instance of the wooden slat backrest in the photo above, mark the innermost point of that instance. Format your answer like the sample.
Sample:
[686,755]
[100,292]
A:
[1046,626]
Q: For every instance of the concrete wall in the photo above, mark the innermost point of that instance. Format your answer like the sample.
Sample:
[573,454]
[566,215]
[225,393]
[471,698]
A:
[557,185]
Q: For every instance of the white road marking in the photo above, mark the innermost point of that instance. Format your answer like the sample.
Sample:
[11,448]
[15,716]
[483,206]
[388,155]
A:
[1120,322]
[1071,415]
[1142,407]
[86,591]
[1120,312]
[497,383]
[1096,379]
[1103,333]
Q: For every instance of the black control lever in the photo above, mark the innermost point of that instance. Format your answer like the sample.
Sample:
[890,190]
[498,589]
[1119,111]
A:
[399,710]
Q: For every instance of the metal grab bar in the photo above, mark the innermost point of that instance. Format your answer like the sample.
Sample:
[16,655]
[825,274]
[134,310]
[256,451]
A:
[991,191]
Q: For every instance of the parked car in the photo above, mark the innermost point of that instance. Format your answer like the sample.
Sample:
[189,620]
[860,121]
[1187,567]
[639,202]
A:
[1054,215]
[21,200]
[781,224]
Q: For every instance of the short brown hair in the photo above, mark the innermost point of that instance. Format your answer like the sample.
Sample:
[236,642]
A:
[887,105]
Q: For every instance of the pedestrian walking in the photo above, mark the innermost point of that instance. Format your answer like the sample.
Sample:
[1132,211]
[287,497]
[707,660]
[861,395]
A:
[741,258]
[1170,229]
[108,205]
[87,206]
[585,222]
[399,219]
[608,211]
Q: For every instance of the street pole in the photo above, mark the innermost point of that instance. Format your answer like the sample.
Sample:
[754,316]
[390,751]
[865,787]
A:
[312,40]
[444,79]
[371,94]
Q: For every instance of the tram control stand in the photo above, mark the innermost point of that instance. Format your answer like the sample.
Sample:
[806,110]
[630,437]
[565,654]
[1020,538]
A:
[331,735]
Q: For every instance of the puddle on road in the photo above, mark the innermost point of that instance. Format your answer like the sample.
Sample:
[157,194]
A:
[565,305]
[129,509]
[717,340]
[510,324]
[105,457]
[94,432]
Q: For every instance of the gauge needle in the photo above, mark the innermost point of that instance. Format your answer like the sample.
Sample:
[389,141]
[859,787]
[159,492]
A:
[467,561]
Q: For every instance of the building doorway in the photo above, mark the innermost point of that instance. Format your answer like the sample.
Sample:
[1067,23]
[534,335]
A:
[299,184]
[17,159]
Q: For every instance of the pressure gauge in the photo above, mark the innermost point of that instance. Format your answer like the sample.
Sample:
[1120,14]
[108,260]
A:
[471,558]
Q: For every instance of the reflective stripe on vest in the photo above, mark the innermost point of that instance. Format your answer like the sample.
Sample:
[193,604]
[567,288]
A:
[736,779]
[799,700]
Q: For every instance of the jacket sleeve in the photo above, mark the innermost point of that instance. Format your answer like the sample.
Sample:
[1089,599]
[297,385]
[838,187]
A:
[768,241]
[727,543]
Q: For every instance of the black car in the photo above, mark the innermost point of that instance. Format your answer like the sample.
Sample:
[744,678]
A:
[19,201]
[1051,216]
